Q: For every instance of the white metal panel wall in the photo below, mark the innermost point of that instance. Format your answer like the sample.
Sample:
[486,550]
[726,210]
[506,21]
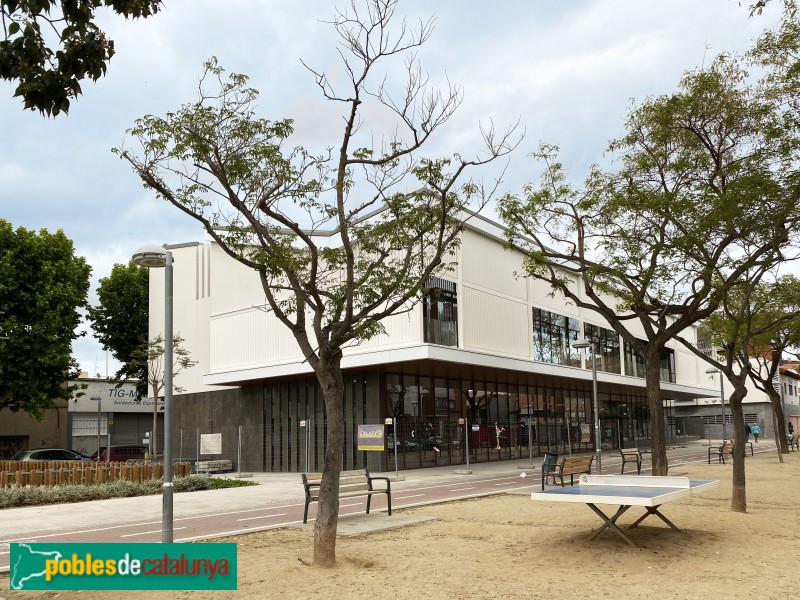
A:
[233,286]
[542,296]
[401,330]
[495,324]
[253,337]
[190,274]
[486,264]
[248,338]
[689,369]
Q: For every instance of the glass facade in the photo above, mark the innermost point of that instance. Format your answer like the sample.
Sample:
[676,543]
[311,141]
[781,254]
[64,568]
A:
[501,419]
[608,350]
[634,364]
[440,312]
[553,335]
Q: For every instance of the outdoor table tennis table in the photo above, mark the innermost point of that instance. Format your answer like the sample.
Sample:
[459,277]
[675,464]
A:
[649,492]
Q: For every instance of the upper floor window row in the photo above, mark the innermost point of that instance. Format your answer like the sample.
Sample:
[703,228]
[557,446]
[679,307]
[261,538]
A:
[634,364]
[554,336]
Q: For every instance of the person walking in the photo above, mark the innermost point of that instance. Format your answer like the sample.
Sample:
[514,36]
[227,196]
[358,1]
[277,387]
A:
[756,431]
[791,428]
[747,432]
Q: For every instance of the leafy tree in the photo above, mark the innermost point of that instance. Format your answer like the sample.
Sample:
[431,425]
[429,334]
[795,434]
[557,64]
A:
[706,191]
[120,319]
[150,360]
[778,317]
[739,332]
[49,46]
[395,216]
[42,287]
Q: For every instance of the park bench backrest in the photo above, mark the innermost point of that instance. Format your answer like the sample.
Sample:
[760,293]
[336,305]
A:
[349,481]
[574,465]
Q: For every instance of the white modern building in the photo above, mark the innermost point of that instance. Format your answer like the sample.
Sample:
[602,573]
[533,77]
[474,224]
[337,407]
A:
[490,348]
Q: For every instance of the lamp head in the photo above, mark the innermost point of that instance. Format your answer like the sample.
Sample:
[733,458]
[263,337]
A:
[151,256]
[712,370]
[581,343]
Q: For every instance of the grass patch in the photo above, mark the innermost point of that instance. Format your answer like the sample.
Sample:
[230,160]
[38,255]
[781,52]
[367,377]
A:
[16,496]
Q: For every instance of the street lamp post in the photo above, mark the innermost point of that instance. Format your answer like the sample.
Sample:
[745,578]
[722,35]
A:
[155,256]
[99,401]
[711,371]
[583,343]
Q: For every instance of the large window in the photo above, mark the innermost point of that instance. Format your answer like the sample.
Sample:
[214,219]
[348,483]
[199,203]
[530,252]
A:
[553,335]
[634,363]
[440,312]
[667,360]
[608,350]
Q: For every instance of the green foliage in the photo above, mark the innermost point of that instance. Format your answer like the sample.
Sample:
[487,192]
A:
[150,359]
[250,191]
[704,198]
[43,285]
[706,190]
[48,75]
[120,320]
[16,496]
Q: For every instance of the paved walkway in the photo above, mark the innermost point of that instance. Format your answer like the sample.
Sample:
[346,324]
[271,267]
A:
[278,502]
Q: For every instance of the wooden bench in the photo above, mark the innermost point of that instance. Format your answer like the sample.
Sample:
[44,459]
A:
[351,485]
[631,455]
[794,442]
[213,466]
[569,465]
[720,452]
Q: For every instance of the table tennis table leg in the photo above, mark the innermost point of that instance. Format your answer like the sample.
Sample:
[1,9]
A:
[653,511]
[611,522]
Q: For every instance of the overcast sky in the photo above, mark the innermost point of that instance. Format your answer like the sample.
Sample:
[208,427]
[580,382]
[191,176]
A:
[566,70]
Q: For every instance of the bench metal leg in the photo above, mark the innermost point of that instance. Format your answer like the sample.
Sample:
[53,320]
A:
[611,522]
[305,512]
[653,510]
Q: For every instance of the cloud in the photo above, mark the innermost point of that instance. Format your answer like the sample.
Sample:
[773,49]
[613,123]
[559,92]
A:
[565,70]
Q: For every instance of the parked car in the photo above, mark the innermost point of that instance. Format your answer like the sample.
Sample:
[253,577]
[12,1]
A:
[402,446]
[123,453]
[49,454]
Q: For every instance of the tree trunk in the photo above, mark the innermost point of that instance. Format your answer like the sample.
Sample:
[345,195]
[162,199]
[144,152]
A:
[329,375]
[777,437]
[656,417]
[738,491]
[154,440]
[780,423]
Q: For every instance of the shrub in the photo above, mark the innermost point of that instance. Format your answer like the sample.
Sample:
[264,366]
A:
[16,496]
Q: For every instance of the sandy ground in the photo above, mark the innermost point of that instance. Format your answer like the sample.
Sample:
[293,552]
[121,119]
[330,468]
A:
[508,547]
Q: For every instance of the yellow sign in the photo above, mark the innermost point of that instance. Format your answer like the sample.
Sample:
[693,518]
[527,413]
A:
[370,438]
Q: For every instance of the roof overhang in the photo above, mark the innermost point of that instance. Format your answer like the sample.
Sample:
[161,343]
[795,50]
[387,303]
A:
[454,357]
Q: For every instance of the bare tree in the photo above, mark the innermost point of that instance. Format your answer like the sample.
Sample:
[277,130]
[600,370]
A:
[395,216]
[152,360]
